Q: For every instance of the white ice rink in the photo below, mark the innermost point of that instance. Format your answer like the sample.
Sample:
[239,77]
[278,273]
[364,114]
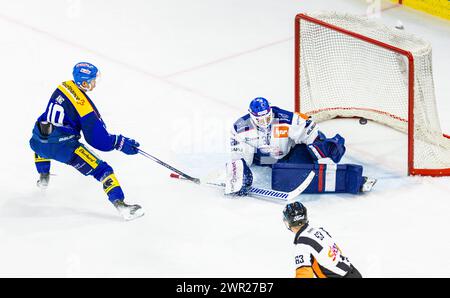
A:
[175,75]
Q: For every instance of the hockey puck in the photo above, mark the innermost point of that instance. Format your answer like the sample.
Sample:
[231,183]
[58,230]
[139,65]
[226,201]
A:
[362,121]
[399,25]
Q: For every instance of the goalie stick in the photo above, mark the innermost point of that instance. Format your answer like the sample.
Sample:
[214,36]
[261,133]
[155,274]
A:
[266,193]
[254,191]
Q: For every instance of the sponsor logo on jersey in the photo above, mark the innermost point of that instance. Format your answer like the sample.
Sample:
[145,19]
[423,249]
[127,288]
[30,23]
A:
[66,138]
[281,132]
[311,128]
[250,140]
[334,251]
[282,115]
[78,100]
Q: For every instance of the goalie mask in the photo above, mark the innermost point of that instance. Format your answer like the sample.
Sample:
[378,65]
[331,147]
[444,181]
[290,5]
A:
[260,112]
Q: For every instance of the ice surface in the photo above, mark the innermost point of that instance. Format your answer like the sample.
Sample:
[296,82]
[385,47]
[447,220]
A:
[176,74]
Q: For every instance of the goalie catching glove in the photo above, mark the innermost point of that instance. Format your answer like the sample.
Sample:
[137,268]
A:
[239,178]
[324,147]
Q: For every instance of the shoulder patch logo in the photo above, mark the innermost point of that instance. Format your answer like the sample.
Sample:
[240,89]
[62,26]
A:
[283,116]
[334,251]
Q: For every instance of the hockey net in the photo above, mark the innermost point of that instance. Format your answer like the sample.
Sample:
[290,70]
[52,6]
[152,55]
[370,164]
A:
[351,66]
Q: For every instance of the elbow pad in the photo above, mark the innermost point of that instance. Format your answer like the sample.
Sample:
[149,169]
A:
[96,135]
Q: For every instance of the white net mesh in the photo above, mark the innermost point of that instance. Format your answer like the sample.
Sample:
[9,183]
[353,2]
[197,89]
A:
[344,76]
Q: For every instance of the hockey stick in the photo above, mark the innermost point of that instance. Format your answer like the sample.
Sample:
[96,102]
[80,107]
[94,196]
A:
[184,175]
[267,193]
[258,192]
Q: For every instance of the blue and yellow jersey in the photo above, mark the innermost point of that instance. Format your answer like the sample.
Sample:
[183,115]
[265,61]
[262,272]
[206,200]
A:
[72,111]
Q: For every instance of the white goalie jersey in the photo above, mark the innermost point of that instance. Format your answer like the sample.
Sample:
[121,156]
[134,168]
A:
[273,143]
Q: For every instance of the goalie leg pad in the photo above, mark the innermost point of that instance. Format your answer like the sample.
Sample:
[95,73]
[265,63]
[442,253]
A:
[329,178]
[239,178]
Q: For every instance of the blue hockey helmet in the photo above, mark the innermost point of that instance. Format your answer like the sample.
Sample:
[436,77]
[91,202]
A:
[295,214]
[260,112]
[84,72]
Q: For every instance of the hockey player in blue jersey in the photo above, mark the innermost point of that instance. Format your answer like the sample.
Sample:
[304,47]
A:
[57,132]
[292,144]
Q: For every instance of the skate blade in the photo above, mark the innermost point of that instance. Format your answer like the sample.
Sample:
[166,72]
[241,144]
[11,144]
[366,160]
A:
[370,185]
[137,214]
[42,186]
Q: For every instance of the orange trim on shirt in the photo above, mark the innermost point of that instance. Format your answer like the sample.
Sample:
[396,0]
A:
[304,272]
[316,268]
[304,116]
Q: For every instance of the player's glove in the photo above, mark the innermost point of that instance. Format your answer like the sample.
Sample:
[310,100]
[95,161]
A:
[323,147]
[239,178]
[126,145]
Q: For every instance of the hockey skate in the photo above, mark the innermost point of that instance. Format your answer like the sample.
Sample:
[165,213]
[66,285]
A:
[368,184]
[43,181]
[128,212]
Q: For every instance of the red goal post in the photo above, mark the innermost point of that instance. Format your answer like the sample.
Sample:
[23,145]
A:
[344,34]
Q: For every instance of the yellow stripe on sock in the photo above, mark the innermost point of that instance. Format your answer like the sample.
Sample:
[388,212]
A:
[37,158]
[110,182]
